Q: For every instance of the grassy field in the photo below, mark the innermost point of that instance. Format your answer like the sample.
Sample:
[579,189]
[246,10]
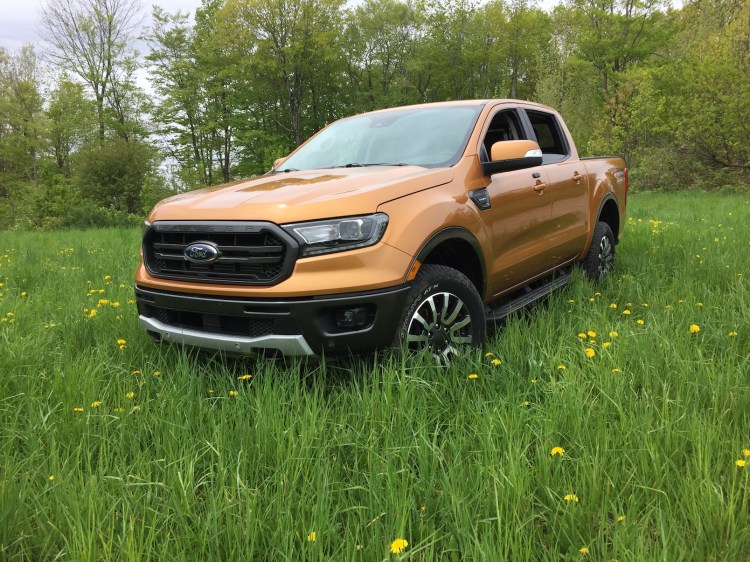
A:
[112,448]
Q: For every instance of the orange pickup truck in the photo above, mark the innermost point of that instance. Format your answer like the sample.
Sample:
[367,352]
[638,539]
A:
[413,226]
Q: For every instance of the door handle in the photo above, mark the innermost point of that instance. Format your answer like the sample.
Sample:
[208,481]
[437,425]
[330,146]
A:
[540,186]
[577,177]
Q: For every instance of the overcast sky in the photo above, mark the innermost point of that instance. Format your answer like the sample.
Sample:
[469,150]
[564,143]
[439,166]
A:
[19,19]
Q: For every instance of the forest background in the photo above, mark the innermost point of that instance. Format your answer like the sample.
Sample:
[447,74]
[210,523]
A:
[94,132]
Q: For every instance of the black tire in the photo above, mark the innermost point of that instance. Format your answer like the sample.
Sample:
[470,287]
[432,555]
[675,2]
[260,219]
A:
[600,259]
[444,314]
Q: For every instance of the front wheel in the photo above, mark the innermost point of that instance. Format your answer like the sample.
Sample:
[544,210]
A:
[600,259]
[444,314]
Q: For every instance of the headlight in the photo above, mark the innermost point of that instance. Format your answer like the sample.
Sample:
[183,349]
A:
[337,235]
[144,227]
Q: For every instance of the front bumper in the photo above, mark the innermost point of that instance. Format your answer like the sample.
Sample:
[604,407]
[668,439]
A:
[292,326]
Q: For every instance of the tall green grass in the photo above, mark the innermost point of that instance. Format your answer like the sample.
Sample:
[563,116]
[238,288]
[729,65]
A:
[164,462]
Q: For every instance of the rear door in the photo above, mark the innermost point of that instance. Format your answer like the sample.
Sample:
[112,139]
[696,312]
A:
[566,194]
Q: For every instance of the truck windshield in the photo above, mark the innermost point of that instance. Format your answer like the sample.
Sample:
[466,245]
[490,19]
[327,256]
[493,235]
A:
[429,136]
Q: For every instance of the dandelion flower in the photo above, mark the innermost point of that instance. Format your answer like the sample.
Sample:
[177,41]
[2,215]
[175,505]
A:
[640,322]
[398,546]
[740,463]
[626,312]
[51,477]
[694,328]
[746,453]
[613,306]
[130,395]
[617,370]
[78,409]
[23,293]
[620,518]
[582,336]
[583,550]
[489,354]
[525,403]
[561,367]
[157,373]
[607,344]
[613,334]
[245,377]
[136,372]
[557,452]
[496,362]
[590,352]
[233,393]
[473,376]
[96,404]
[312,537]
[591,334]
[570,498]
[423,510]
[92,313]
[732,334]
[136,408]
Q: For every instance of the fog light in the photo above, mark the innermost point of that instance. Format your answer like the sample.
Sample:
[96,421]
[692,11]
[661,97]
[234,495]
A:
[351,317]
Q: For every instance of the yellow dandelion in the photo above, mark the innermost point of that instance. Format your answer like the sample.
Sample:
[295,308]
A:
[114,304]
[92,313]
[525,403]
[606,344]
[78,409]
[423,510]
[694,328]
[96,403]
[157,373]
[136,372]
[398,546]
[613,306]
[732,334]
[590,352]
[489,354]
[591,333]
[130,395]
[626,312]
[561,367]
[51,477]
[557,452]
[597,294]
[496,362]
[473,376]
[211,391]
[640,322]
[570,498]
[617,370]
[119,410]
[613,334]
[312,537]
[583,550]
[746,453]
[136,408]
[233,393]
[534,381]
[620,518]
[23,293]
[582,336]
[245,377]
[740,463]
[571,301]
[107,278]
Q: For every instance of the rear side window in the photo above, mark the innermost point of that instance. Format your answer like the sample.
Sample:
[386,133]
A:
[548,136]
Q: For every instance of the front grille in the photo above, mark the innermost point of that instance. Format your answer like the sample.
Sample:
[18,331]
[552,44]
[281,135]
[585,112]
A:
[213,323]
[250,253]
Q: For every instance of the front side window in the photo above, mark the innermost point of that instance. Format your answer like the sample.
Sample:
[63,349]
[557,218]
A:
[427,136]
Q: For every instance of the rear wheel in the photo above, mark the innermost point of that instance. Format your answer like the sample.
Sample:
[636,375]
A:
[600,259]
[444,314]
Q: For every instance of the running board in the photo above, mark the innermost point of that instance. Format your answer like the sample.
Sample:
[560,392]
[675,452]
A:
[497,314]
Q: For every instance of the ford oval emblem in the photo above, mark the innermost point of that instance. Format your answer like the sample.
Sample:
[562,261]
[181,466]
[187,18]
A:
[202,252]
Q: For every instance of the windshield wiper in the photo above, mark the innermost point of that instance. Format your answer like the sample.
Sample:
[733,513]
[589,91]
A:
[358,165]
[285,171]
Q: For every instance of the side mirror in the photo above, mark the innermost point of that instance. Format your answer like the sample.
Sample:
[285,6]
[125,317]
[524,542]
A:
[512,155]
[278,162]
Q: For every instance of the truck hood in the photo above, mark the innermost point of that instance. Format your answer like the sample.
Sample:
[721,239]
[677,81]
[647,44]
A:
[301,196]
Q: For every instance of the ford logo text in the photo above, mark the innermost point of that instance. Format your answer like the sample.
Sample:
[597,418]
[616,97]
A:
[202,252]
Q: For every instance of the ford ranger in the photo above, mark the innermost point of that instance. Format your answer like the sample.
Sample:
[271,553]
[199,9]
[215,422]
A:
[413,226]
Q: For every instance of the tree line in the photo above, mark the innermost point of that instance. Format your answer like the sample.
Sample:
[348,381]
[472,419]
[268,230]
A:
[93,132]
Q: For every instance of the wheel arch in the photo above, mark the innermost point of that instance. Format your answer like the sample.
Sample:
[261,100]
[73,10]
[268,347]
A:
[609,213]
[456,247]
